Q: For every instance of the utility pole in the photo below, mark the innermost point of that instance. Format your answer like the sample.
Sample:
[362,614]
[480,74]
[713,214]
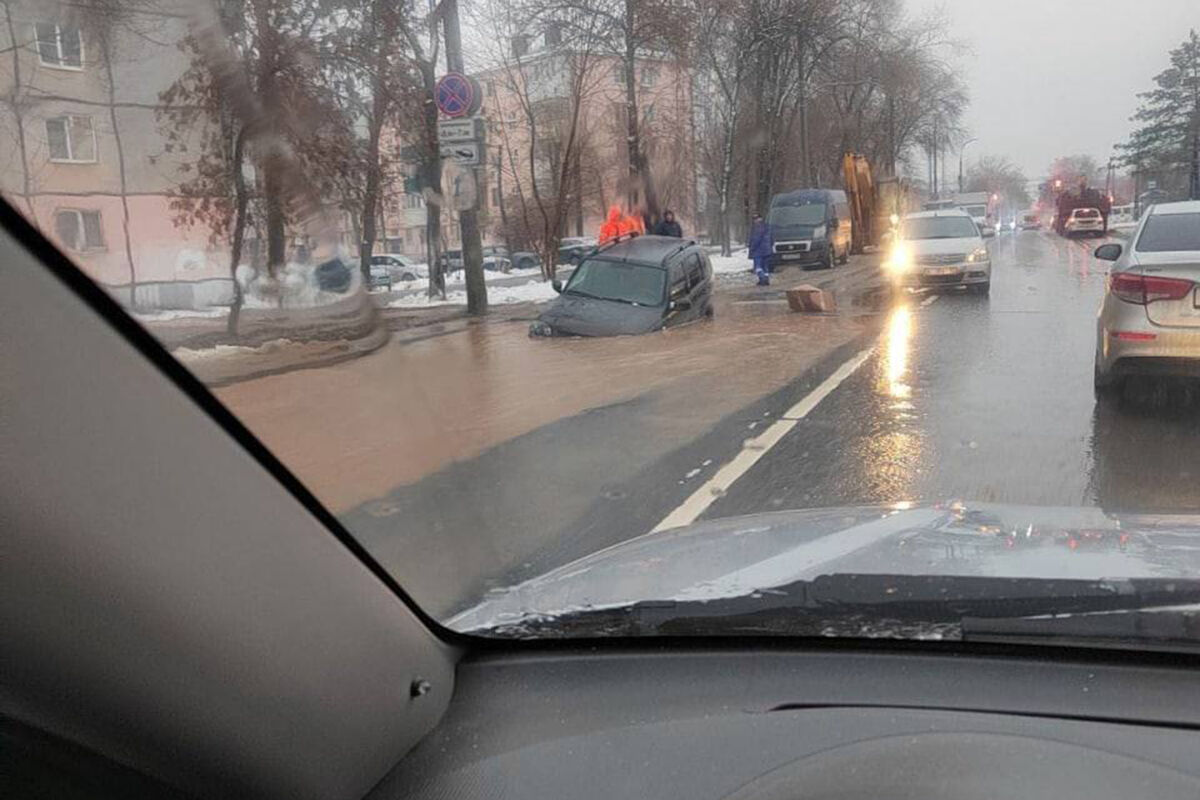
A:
[468,218]
[960,163]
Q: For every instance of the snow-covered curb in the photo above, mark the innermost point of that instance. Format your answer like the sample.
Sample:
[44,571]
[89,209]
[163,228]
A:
[530,292]
[168,314]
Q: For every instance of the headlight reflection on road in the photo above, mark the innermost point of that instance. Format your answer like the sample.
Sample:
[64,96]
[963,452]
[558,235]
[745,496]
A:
[899,335]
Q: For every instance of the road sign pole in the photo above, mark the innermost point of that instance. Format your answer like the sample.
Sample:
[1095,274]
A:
[472,245]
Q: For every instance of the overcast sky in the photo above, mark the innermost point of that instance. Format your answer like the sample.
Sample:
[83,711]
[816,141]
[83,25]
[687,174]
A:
[1059,77]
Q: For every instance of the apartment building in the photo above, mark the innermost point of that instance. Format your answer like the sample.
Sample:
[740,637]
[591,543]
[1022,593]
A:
[83,154]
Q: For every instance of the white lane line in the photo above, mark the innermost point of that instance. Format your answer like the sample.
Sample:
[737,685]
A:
[928,301]
[754,449]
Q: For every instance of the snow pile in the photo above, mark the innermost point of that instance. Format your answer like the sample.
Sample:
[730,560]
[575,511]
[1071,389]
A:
[167,314]
[530,292]
[187,355]
[727,265]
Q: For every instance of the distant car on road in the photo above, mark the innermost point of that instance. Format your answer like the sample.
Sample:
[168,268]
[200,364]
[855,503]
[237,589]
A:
[1149,321]
[400,267]
[632,286]
[941,248]
[1084,221]
[1030,221]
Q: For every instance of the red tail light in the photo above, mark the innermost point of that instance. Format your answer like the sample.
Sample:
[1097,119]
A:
[1143,289]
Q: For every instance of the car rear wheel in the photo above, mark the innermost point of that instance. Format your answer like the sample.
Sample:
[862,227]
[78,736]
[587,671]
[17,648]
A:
[827,261]
[1105,388]
[845,255]
[980,288]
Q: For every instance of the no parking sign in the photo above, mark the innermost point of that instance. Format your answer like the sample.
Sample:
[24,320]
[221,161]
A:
[456,95]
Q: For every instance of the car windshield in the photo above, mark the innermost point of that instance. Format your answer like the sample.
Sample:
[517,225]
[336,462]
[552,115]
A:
[603,279]
[917,228]
[533,297]
[1170,232]
[789,215]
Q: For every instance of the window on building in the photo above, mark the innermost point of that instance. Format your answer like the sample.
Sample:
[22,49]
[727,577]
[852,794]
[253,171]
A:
[71,138]
[79,230]
[649,115]
[649,75]
[495,196]
[59,45]
[619,74]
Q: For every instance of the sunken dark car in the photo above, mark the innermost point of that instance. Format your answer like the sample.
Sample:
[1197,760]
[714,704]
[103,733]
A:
[635,285]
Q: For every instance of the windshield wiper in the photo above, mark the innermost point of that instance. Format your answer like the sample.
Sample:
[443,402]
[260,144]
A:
[861,605]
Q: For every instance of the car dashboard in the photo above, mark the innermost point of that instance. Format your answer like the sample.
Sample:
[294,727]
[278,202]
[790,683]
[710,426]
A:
[773,724]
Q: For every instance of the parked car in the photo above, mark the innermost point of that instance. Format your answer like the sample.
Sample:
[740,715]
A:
[1149,321]
[572,249]
[941,248]
[452,260]
[333,276]
[811,227]
[401,267]
[496,263]
[523,259]
[632,286]
[380,277]
[1084,221]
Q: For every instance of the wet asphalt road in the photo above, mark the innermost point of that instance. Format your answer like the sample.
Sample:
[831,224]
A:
[988,399]
[962,397]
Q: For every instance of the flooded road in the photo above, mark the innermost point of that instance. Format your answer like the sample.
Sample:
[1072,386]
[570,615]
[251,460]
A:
[488,457]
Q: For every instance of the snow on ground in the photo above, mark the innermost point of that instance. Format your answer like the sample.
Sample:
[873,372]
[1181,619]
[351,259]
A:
[530,292]
[186,354]
[726,265]
[167,314]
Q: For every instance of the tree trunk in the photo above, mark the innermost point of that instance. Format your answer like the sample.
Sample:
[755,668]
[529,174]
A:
[370,202]
[241,199]
[430,171]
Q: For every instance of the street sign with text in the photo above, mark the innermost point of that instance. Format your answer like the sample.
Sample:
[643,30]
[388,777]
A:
[460,130]
[465,154]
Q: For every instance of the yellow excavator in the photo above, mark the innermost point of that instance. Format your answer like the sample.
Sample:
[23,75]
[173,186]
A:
[876,204]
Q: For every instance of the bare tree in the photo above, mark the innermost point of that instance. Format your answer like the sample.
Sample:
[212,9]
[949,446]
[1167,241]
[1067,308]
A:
[550,91]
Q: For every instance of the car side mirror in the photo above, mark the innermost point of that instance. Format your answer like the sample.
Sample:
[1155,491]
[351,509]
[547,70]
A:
[988,233]
[1108,252]
[556,285]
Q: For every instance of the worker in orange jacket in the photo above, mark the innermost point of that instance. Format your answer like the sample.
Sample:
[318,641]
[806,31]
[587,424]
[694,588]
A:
[611,228]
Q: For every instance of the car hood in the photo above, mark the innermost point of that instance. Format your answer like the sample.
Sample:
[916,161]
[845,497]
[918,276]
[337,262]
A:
[935,247]
[572,315]
[737,556]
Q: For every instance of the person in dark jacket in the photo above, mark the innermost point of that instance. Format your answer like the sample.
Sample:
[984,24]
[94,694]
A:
[761,245]
[667,226]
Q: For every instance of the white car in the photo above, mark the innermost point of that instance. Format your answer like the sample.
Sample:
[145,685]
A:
[941,248]
[400,267]
[1149,322]
[1084,221]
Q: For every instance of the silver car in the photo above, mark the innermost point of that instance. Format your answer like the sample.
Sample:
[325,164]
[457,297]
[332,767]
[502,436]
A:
[1149,322]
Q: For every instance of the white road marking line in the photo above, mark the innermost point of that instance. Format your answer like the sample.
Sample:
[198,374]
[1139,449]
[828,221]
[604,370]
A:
[754,449]
[928,301]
